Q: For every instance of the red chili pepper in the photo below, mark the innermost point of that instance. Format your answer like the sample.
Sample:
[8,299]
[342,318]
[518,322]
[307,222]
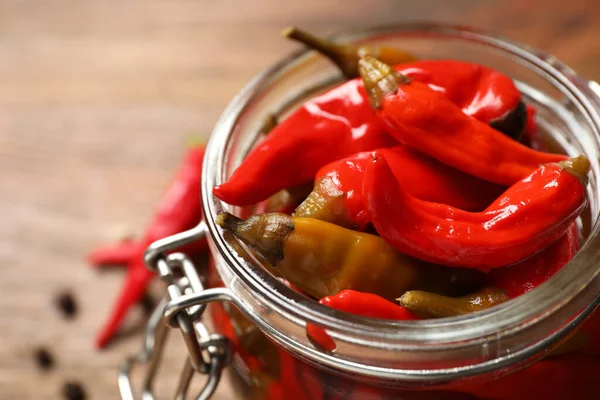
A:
[528,217]
[358,303]
[312,381]
[427,121]
[479,91]
[572,377]
[523,277]
[367,305]
[178,211]
[324,129]
[222,320]
[136,282]
[275,391]
[422,176]
[114,254]
[295,390]
[120,254]
[340,122]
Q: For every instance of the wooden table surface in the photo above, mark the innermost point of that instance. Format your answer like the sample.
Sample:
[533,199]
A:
[97,99]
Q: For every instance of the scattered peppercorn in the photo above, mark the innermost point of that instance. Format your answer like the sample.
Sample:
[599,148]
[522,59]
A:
[66,304]
[44,358]
[73,391]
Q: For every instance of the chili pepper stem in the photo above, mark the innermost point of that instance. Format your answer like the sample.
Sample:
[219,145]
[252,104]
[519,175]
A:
[265,233]
[578,167]
[227,221]
[344,56]
[380,79]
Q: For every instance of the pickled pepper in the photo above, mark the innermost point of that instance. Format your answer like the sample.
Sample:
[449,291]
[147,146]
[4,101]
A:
[340,122]
[357,303]
[479,91]
[322,259]
[337,196]
[431,305]
[528,217]
[286,200]
[427,121]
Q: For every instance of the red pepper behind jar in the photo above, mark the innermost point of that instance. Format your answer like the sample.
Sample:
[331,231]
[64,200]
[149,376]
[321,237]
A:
[178,210]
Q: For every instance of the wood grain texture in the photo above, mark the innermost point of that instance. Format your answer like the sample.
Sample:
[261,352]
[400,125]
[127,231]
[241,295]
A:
[97,99]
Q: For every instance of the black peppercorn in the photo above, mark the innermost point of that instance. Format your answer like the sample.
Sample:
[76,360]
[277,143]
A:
[66,304]
[44,358]
[73,391]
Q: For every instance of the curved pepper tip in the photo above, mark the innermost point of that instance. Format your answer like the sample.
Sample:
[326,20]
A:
[223,193]
[289,32]
[405,299]
[578,167]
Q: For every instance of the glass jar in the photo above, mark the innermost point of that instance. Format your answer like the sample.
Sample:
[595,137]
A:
[375,359]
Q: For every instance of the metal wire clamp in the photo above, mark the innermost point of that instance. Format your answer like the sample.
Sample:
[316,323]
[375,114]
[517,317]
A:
[182,308]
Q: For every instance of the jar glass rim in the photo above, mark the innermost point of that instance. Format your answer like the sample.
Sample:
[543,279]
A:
[561,292]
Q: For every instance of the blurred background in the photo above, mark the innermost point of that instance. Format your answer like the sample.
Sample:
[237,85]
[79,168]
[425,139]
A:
[97,101]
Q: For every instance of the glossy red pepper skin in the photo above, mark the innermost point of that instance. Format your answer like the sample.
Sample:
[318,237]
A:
[178,210]
[422,176]
[523,277]
[426,120]
[528,217]
[358,303]
[367,305]
[479,91]
[340,123]
[326,128]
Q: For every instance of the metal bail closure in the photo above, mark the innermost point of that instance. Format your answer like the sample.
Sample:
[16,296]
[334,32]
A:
[182,308]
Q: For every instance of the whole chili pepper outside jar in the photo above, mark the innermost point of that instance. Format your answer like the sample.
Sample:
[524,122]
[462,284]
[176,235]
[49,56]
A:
[463,357]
